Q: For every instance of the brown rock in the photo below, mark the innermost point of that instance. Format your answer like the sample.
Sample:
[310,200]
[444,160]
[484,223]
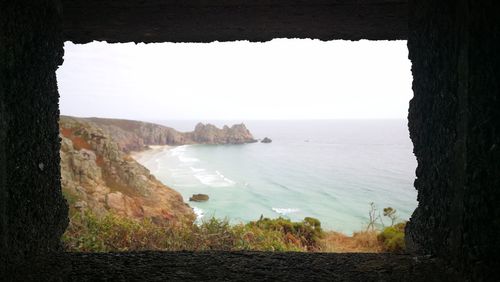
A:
[199,198]
[94,169]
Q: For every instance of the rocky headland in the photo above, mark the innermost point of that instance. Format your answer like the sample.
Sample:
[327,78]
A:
[210,134]
[136,135]
[97,172]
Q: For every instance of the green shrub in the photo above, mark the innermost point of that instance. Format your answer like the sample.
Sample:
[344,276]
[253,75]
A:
[90,233]
[305,234]
[253,238]
[213,234]
[393,238]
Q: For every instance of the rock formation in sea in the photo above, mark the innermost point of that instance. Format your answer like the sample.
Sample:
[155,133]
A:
[266,140]
[210,134]
[97,174]
[199,198]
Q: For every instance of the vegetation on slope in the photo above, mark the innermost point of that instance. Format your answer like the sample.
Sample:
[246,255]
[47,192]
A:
[393,238]
[88,232]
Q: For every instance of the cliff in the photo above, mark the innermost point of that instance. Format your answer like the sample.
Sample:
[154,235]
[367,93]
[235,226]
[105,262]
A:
[210,134]
[136,135]
[97,174]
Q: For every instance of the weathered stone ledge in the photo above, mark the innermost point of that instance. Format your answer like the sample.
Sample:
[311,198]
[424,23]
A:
[239,266]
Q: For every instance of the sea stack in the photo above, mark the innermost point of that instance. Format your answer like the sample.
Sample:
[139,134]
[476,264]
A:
[199,198]
[266,140]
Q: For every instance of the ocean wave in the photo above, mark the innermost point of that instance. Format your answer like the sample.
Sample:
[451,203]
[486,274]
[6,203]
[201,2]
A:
[199,213]
[180,152]
[213,180]
[224,178]
[285,211]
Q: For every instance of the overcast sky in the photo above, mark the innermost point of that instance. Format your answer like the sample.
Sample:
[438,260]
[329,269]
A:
[281,79]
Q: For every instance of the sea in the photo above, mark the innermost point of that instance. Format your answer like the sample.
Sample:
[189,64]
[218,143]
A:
[327,169]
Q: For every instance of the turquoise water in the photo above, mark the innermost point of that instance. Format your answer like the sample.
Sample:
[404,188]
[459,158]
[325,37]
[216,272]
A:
[330,170]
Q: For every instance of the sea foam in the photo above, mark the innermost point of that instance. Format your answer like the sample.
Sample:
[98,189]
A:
[180,152]
[199,213]
[213,180]
[285,211]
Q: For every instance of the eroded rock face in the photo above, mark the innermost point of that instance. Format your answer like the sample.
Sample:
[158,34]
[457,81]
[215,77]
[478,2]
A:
[124,205]
[133,135]
[97,174]
[136,135]
[210,134]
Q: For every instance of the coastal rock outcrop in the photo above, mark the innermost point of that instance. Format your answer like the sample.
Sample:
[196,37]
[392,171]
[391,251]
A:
[199,198]
[97,174]
[266,140]
[210,134]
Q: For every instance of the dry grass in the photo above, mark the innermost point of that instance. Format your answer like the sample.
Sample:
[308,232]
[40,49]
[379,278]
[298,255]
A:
[360,242]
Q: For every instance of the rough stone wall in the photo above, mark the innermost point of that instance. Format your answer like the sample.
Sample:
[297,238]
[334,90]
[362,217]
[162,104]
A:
[482,193]
[454,124]
[227,20]
[454,117]
[33,212]
[3,170]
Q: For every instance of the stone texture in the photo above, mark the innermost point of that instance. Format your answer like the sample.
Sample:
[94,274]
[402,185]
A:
[239,266]
[455,127]
[227,20]
[33,210]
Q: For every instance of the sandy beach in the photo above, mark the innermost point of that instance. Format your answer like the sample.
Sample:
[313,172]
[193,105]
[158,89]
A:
[152,150]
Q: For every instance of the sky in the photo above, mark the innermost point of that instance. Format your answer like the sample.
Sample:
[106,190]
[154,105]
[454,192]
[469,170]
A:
[281,79]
